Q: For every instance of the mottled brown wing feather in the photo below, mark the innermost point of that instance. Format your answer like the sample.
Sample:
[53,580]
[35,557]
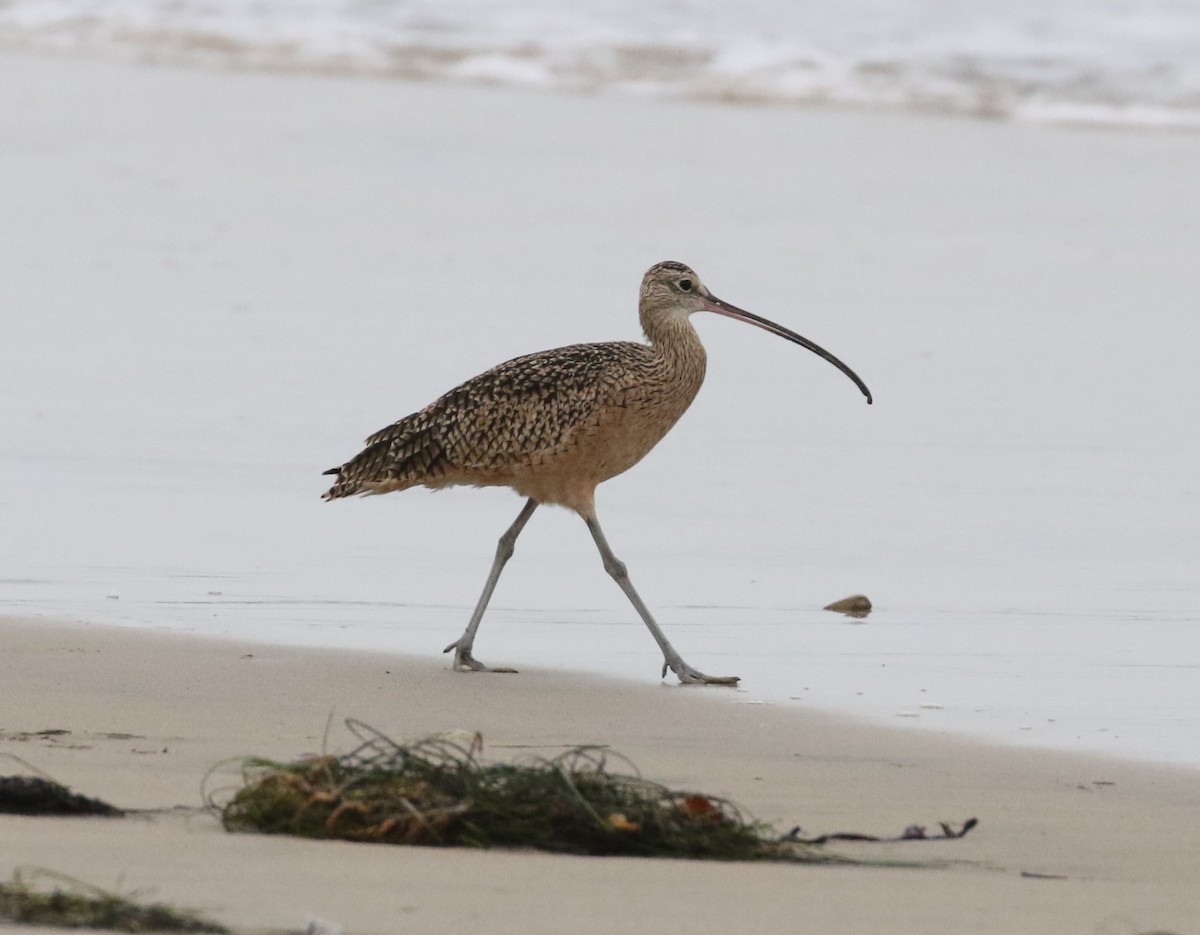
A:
[499,419]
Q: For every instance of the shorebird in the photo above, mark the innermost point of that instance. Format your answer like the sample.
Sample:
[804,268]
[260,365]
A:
[554,425]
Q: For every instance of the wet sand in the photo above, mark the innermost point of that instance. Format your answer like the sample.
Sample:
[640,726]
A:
[1065,842]
[219,282]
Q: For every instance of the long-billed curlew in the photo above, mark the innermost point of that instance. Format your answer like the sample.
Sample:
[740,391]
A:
[554,425]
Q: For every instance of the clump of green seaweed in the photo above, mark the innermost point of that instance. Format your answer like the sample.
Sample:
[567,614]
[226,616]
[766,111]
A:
[437,792]
[35,795]
[72,904]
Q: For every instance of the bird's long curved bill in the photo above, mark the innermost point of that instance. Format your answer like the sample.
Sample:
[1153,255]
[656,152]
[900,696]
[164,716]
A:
[713,304]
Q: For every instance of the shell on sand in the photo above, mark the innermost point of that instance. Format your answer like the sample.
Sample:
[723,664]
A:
[856,605]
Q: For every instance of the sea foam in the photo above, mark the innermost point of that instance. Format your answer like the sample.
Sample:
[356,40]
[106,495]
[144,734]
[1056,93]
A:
[1063,61]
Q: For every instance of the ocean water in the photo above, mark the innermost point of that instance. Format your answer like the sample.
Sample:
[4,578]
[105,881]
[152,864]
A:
[218,284]
[1085,61]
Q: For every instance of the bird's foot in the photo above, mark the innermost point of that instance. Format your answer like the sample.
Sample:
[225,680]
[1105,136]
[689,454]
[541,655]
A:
[464,661]
[689,676]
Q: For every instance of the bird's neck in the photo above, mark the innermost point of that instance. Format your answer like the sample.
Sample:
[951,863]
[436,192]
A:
[676,342]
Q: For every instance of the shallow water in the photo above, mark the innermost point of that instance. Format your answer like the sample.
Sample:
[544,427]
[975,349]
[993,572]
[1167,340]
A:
[1088,61]
[220,284]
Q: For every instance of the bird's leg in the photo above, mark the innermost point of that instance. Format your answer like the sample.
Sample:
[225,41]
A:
[504,550]
[671,658]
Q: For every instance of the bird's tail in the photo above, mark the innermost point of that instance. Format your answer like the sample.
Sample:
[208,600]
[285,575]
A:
[395,458]
[361,474]
[341,487]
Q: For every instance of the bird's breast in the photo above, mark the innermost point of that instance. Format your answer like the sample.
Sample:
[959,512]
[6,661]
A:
[638,413]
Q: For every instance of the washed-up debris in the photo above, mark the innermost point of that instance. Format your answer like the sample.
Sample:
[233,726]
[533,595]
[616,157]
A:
[911,833]
[33,795]
[73,904]
[856,605]
[436,792]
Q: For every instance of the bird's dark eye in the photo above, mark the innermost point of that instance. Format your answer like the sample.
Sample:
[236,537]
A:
[685,285]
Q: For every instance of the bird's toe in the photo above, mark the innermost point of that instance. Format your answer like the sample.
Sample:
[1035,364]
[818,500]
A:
[689,676]
[465,662]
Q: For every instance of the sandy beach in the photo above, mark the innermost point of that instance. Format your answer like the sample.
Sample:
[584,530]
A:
[218,282]
[1065,843]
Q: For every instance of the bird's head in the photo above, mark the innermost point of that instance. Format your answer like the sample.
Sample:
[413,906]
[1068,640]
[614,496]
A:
[672,292]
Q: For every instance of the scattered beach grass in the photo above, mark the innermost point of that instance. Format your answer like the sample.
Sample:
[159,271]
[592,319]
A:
[71,903]
[436,792]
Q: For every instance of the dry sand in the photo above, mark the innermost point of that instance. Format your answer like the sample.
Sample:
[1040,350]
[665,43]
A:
[1113,845]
